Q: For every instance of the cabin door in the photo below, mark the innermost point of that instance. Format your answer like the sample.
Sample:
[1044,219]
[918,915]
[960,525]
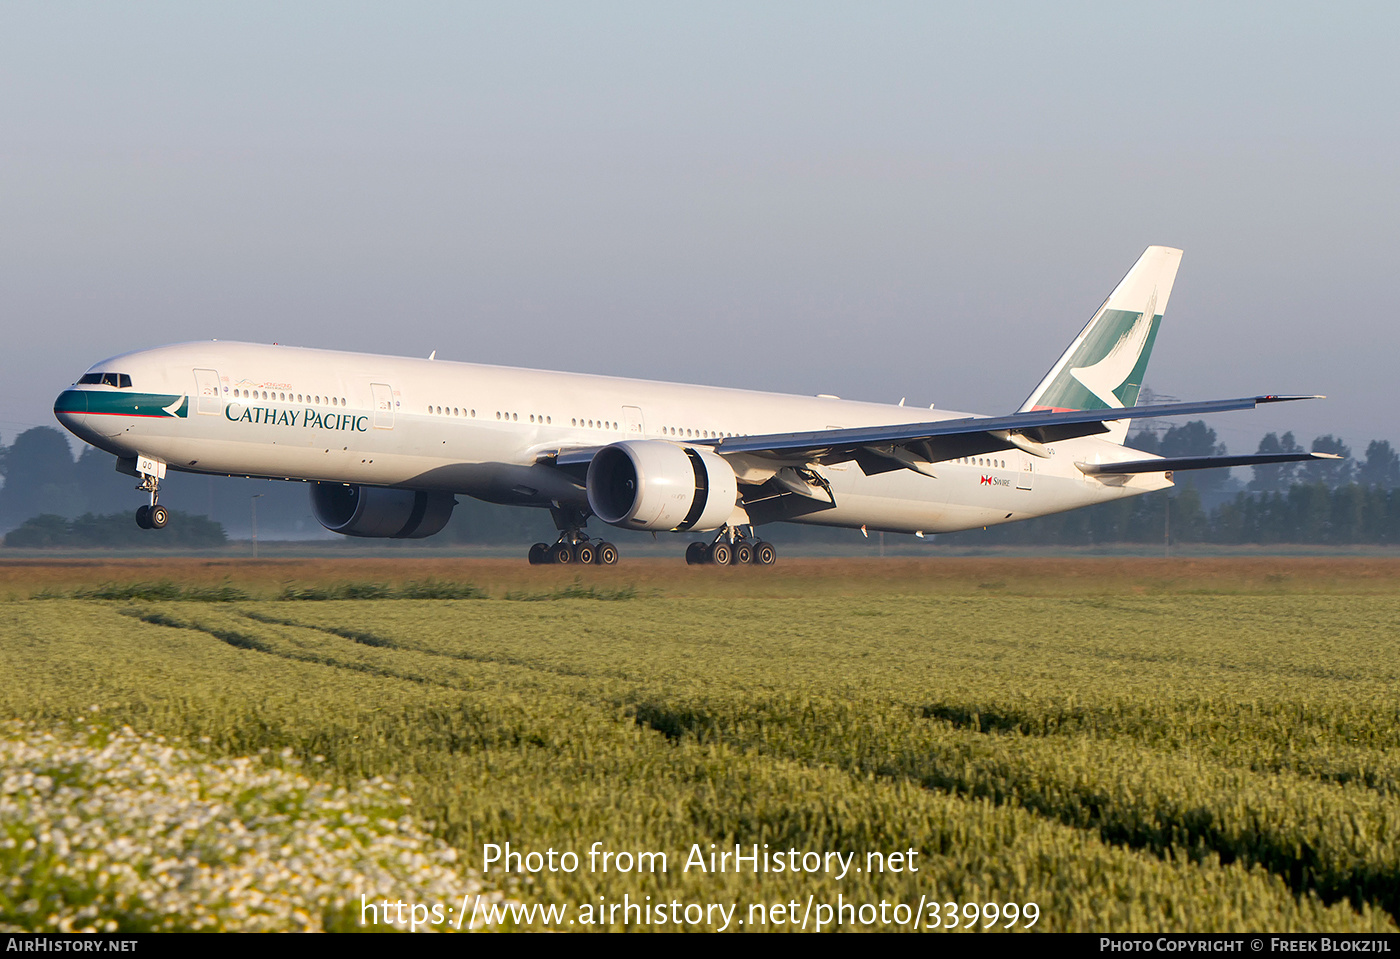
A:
[383,406]
[206,385]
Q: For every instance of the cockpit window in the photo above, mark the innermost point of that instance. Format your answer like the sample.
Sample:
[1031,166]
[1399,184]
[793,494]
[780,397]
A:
[119,380]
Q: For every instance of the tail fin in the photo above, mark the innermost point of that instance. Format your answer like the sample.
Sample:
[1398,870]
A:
[1104,366]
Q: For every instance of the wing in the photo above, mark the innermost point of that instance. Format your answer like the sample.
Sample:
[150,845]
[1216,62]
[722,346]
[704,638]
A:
[778,482]
[572,460]
[918,446]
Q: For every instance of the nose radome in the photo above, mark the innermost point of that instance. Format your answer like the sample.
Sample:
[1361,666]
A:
[70,402]
[70,409]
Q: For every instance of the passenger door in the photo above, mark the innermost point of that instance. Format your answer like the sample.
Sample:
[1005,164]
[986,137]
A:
[383,406]
[206,391]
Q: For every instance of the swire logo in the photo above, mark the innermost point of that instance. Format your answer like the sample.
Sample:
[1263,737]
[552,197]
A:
[986,481]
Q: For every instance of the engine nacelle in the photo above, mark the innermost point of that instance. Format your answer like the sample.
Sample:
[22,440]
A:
[376,511]
[656,485]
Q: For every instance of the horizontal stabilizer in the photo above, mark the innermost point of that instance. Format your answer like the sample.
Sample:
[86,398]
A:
[1174,463]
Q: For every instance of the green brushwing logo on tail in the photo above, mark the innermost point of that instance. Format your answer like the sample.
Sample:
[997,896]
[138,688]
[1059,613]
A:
[1106,370]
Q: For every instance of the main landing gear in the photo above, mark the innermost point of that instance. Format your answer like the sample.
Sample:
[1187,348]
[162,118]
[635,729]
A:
[153,516]
[581,550]
[731,548]
[573,545]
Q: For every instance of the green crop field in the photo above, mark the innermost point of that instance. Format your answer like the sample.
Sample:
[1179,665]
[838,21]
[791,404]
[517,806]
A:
[1128,745]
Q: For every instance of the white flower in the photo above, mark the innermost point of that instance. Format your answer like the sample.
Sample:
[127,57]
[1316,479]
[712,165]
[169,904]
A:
[171,841]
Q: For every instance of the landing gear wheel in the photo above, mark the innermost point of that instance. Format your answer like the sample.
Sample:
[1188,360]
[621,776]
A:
[143,517]
[539,554]
[743,554]
[721,554]
[158,517]
[695,554]
[764,554]
[605,554]
[562,553]
[583,553]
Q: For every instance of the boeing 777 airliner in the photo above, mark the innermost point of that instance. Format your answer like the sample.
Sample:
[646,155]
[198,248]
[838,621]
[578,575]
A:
[387,442]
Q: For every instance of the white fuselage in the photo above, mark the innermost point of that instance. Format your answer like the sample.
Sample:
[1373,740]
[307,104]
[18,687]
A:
[304,414]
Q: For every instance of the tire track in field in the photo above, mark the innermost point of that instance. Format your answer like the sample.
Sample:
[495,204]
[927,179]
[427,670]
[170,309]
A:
[1244,667]
[1313,836]
[381,642]
[240,640]
[1273,728]
[486,726]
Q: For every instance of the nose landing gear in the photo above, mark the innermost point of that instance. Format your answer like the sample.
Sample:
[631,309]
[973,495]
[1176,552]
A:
[153,516]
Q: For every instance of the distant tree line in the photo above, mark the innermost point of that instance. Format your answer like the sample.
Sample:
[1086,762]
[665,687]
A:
[113,531]
[1339,502]
[41,477]
[1305,513]
[1342,502]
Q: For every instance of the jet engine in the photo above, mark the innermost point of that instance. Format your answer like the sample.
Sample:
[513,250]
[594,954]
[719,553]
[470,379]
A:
[652,484]
[376,511]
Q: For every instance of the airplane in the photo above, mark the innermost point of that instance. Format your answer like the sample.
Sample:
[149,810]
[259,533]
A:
[387,443]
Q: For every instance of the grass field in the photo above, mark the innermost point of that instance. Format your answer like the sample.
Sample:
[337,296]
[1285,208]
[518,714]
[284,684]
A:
[1128,744]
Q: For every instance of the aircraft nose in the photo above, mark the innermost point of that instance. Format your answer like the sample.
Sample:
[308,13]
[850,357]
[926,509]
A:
[71,410]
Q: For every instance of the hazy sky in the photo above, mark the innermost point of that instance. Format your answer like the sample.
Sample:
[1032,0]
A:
[874,200]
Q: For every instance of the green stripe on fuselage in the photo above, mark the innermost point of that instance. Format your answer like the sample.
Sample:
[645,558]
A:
[122,403]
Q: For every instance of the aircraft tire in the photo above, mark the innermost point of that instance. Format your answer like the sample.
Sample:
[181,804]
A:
[695,554]
[605,554]
[562,553]
[764,554]
[721,554]
[158,517]
[583,553]
[539,554]
[743,554]
[143,517]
